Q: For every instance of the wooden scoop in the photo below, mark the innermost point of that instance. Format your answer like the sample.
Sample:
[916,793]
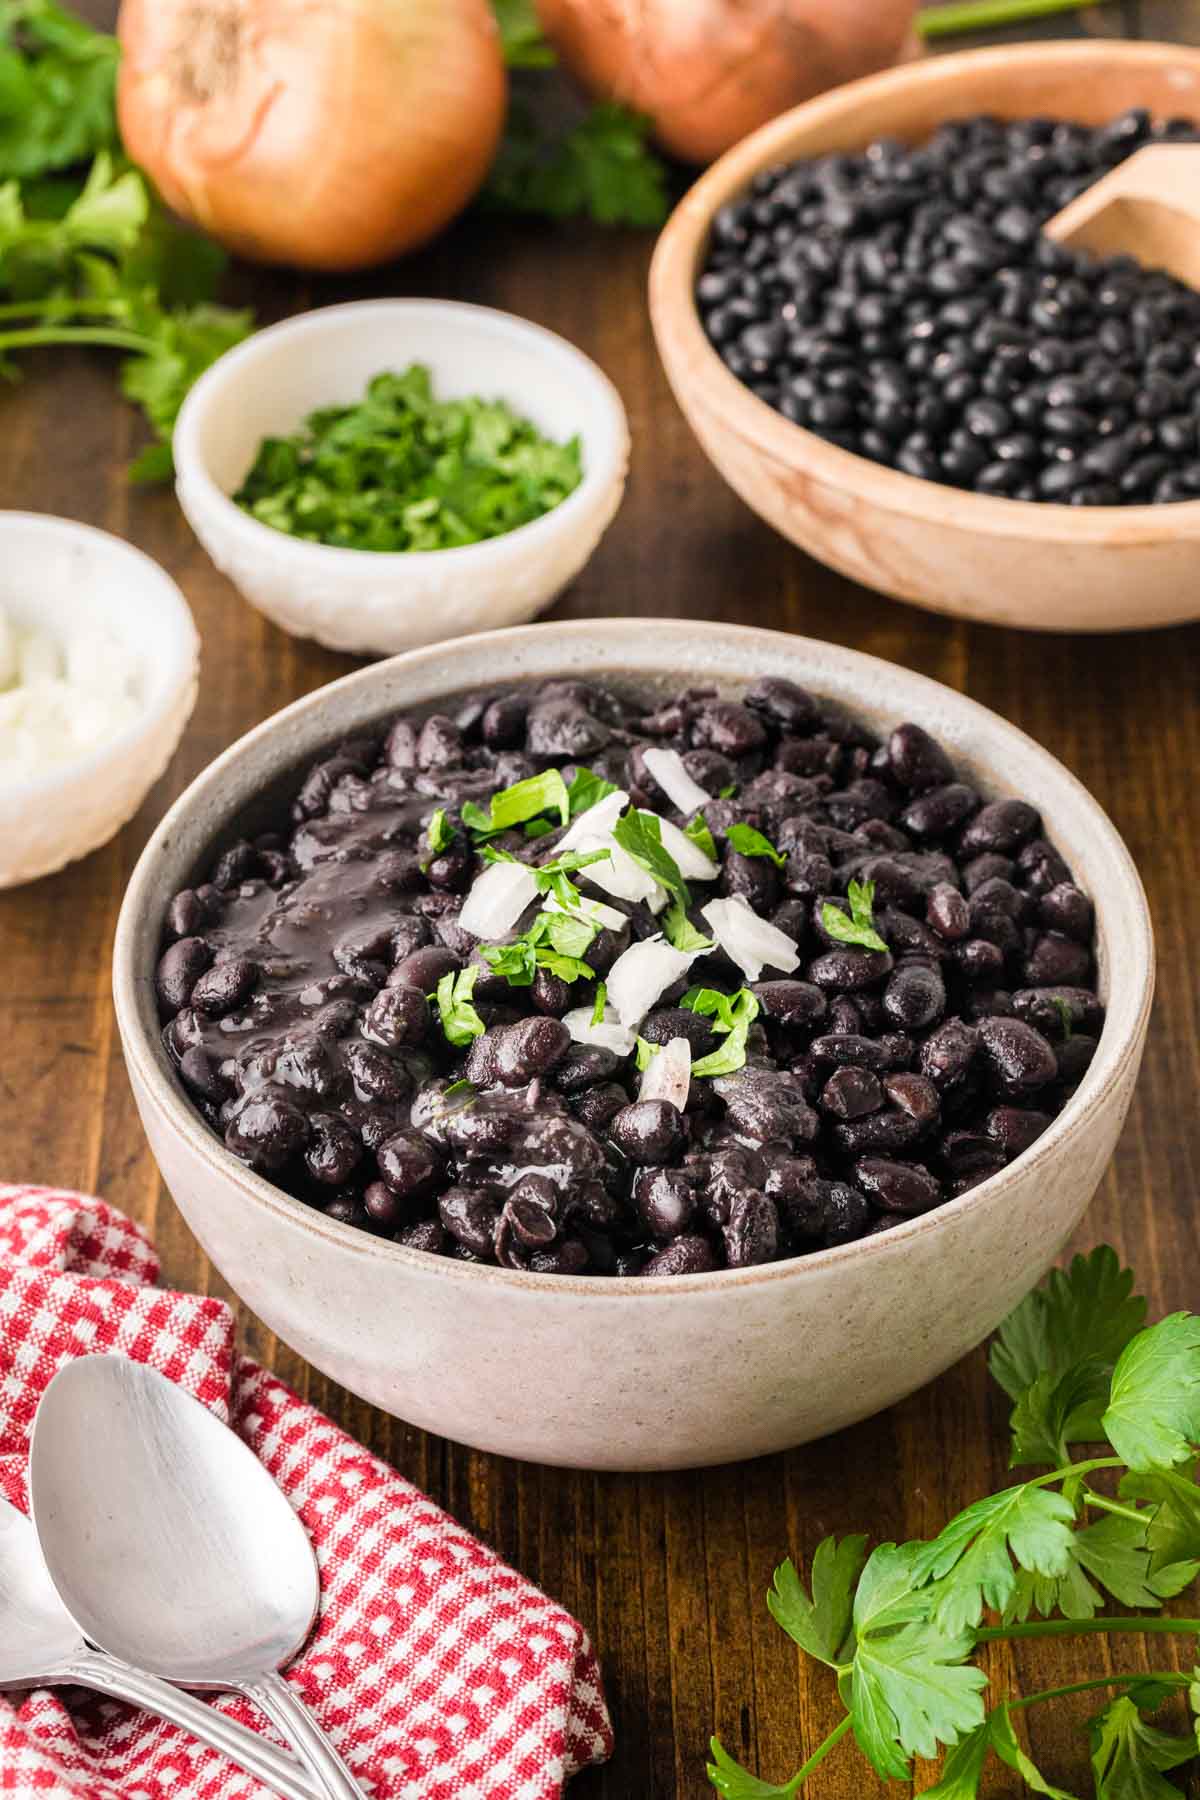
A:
[1148,207]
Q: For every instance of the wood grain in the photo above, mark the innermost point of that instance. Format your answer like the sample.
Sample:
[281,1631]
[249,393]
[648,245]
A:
[668,1573]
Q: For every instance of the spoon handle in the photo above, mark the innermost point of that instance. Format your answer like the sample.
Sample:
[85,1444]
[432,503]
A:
[290,1716]
[264,1760]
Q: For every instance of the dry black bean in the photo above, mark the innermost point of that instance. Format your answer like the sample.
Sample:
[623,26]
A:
[897,1187]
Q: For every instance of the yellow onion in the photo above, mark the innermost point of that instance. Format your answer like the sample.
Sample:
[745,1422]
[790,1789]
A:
[331,134]
[709,71]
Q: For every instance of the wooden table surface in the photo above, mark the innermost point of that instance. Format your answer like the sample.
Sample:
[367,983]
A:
[667,1572]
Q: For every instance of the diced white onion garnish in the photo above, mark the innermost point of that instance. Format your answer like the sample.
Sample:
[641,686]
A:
[668,1076]
[621,874]
[689,858]
[595,823]
[667,768]
[608,918]
[497,899]
[748,940]
[96,661]
[609,1034]
[642,973]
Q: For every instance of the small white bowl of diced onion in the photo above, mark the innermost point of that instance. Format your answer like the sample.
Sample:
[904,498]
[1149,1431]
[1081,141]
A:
[98,669]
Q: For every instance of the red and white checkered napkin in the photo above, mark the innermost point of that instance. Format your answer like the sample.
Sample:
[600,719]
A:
[439,1673]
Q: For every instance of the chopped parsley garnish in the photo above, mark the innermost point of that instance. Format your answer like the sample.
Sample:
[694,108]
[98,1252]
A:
[601,1003]
[515,805]
[680,933]
[537,828]
[639,835]
[401,470]
[439,835]
[554,877]
[727,793]
[462,1086]
[1065,1016]
[586,789]
[645,1053]
[697,830]
[732,1017]
[460,1021]
[859,928]
[557,942]
[749,842]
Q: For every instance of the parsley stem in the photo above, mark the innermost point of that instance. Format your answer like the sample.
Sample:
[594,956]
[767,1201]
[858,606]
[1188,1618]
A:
[1074,1469]
[1113,1506]
[1170,1676]
[998,1634]
[75,334]
[988,15]
[818,1756]
[24,309]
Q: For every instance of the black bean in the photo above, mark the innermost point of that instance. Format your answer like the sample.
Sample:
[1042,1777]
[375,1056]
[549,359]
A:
[665,1200]
[725,726]
[915,1095]
[334,1150]
[947,1054]
[1054,961]
[179,969]
[786,705]
[423,969]
[397,1017]
[648,1131]
[375,1073]
[1054,1010]
[878,1054]
[939,811]
[469,1215]
[947,912]
[267,1131]
[752,1232]
[897,1187]
[584,1065]
[1014,1128]
[597,1106]
[1019,1056]
[202,1075]
[791,1003]
[915,996]
[851,1093]
[686,1256]
[224,987]
[892,1128]
[845,970]
[528,1049]
[1002,826]
[408,1164]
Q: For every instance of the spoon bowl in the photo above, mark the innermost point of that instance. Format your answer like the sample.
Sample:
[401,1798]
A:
[178,1553]
[176,1506]
[37,1634]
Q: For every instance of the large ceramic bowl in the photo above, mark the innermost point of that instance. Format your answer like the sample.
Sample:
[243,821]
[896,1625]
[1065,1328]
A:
[1009,562]
[636,1374]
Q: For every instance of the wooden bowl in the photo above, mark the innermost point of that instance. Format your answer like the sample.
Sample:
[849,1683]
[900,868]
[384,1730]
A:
[1004,562]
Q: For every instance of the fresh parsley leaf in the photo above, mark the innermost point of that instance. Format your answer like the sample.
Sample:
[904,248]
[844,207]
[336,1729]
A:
[1115,1550]
[460,1021]
[1173,1528]
[514,805]
[971,1558]
[458,1087]
[1055,1353]
[735,1783]
[601,1003]
[820,1621]
[727,793]
[711,1003]
[680,933]
[536,828]
[1005,1743]
[522,40]
[963,1767]
[913,1692]
[639,835]
[697,830]
[859,927]
[401,470]
[1153,1415]
[586,789]
[740,1012]
[602,168]
[183,343]
[1070,1594]
[516,962]
[1129,1756]
[749,842]
[556,942]
[644,1054]
[57,89]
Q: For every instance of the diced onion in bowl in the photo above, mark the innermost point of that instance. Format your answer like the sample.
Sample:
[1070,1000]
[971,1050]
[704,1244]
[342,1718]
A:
[689,858]
[667,768]
[497,899]
[621,875]
[642,973]
[749,941]
[668,1076]
[609,1034]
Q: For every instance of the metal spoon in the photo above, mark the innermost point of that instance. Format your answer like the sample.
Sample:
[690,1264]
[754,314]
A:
[172,1548]
[41,1646]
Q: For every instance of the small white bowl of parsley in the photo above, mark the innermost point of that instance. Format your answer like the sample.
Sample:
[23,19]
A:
[393,472]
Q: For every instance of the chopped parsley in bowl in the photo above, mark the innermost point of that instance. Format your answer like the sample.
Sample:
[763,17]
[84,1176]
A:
[401,470]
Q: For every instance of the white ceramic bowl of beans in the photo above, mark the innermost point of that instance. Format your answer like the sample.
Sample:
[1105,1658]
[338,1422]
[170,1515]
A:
[623,1372]
[55,576]
[376,603]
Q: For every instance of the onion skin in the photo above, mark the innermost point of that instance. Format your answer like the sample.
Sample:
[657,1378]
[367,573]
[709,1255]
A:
[707,72]
[327,134]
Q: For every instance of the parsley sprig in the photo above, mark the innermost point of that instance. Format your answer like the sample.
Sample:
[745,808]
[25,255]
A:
[899,1627]
[859,927]
[749,842]
[732,1017]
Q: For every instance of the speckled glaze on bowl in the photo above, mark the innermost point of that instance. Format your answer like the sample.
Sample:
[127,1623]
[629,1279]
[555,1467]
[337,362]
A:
[1007,562]
[634,1373]
[376,603]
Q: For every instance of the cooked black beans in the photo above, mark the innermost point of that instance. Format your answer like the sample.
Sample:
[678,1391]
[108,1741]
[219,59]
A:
[298,989]
[903,304]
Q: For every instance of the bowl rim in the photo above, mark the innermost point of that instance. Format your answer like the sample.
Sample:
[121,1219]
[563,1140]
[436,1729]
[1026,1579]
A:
[141,1050]
[219,386]
[682,341]
[171,679]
